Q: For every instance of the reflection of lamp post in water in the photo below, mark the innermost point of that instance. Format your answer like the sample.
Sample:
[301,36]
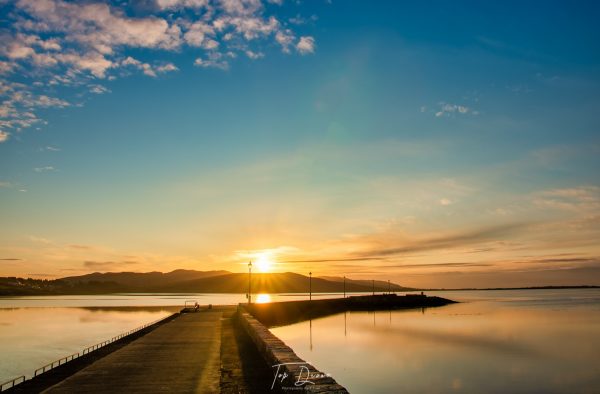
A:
[250,282]
[310,285]
[310,325]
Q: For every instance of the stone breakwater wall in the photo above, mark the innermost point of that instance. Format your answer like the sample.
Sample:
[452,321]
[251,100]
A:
[290,372]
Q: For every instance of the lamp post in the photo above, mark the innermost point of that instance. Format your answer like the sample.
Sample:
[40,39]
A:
[344,287]
[250,282]
[373,286]
[389,287]
[310,286]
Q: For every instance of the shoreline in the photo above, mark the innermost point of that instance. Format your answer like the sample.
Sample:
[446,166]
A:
[292,294]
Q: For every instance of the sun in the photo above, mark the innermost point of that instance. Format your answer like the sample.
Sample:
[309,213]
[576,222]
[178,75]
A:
[263,299]
[264,263]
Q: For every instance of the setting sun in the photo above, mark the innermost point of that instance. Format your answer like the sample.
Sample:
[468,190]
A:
[263,299]
[264,263]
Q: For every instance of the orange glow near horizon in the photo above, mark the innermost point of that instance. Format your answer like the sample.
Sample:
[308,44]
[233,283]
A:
[263,298]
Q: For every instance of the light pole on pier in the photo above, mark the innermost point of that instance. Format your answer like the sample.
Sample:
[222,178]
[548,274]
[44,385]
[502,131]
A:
[389,287]
[310,286]
[250,282]
[344,287]
[373,286]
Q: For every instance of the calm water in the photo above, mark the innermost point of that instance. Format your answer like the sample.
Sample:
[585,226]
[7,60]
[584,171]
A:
[501,341]
[532,341]
[37,330]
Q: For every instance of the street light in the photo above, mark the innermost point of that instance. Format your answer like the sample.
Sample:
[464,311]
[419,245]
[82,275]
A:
[344,287]
[373,286]
[310,286]
[250,282]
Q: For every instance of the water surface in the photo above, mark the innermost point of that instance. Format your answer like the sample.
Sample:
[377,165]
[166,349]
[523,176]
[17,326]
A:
[540,341]
[36,330]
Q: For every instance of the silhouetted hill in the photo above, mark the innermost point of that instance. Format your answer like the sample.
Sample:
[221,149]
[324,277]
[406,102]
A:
[12,286]
[184,281]
[272,283]
[381,284]
[144,280]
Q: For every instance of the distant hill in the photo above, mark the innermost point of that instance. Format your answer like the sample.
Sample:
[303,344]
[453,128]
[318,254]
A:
[146,279]
[275,283]
[369,283]
[184,281]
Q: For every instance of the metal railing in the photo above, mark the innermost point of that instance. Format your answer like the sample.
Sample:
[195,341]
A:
[55,363]
[11,383]
[97,346]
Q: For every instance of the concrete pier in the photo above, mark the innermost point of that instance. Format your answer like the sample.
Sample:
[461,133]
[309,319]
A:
[181,356]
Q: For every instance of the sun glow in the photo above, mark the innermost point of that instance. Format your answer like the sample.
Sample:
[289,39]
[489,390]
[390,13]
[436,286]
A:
[263,298]
[264,263]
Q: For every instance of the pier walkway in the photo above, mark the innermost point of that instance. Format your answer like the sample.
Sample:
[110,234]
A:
[181,356]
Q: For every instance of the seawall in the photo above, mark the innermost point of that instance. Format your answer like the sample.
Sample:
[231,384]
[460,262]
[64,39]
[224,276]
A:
[291,373]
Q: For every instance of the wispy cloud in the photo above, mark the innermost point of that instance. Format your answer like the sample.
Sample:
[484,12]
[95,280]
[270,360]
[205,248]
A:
[44,169]
[108,265]
[467,238]
[447,109]
[582,199]
[98,89]
[332,260]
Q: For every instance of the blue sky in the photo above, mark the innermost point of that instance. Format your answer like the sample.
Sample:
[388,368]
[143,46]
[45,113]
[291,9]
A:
[439,144]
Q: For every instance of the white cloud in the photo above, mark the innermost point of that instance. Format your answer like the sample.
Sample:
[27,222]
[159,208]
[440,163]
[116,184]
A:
[306,45]
[285,38]
[44,169]
[94,62]
[212,62]
[98,26]
[254,55]
[197,32]
[4,136]
[70,43]
[5,67]
[166,68]
[175,4]
[45,101]
[146,68]
[449,109]
[445,201]
[241,7]
[98,89]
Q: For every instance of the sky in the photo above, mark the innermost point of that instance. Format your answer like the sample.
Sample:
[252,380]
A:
[434,144]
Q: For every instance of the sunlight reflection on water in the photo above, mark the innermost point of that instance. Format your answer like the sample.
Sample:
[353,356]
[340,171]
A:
[263,298]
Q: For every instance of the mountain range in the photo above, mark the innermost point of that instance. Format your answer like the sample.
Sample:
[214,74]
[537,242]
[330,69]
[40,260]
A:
[189,281]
